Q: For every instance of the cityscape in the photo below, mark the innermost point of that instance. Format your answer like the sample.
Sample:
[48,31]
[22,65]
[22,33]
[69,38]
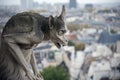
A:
[93,50]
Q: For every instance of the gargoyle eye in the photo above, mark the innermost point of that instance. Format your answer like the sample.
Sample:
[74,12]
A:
[61,32]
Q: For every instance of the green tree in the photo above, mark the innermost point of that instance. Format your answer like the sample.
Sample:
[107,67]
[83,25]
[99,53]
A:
[76,26]
[70,43]
[79,46]
[113,31]
[55,73]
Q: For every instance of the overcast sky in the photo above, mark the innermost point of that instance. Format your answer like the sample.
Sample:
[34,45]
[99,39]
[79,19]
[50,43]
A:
[80,1]
[10,2]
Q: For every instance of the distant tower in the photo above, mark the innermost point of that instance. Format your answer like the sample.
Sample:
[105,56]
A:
[73,4]
[27,4]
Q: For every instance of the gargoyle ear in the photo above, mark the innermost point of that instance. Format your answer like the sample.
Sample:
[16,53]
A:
[62,15]
[51,21]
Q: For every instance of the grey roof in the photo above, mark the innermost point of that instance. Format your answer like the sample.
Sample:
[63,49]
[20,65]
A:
[107,38]
[47,46]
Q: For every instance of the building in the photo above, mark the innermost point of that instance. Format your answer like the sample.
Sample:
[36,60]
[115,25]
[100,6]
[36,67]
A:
[118,47]
[73,4]
[99,69]
[89,6]
[107,38]
[26,4]
[8,2]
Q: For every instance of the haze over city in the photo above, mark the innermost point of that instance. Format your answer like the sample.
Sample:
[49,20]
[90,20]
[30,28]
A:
[14,2]
[93,34]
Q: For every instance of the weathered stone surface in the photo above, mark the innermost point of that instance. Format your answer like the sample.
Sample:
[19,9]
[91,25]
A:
[20,35]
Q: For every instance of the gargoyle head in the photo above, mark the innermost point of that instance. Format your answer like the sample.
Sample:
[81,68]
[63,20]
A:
[58,29]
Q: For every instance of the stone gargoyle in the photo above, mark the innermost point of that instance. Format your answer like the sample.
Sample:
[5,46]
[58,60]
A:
[20,35]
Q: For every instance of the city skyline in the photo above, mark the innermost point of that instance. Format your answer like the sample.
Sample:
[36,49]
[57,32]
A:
[17,2]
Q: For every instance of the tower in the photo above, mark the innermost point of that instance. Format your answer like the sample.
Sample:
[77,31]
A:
[27,4]
[73,4]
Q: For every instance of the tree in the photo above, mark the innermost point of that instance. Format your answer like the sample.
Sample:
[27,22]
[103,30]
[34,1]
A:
[70,43]
[79,46]
[113,31]
[55,73]
[76,26]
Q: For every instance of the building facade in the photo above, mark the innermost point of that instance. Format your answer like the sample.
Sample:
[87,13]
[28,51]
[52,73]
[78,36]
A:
[73,4]
[26,4]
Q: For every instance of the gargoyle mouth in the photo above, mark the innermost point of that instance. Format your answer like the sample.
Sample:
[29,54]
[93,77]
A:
[59,43]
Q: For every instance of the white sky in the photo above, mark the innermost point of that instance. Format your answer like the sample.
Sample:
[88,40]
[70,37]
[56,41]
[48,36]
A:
[79,1]
[10,2]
